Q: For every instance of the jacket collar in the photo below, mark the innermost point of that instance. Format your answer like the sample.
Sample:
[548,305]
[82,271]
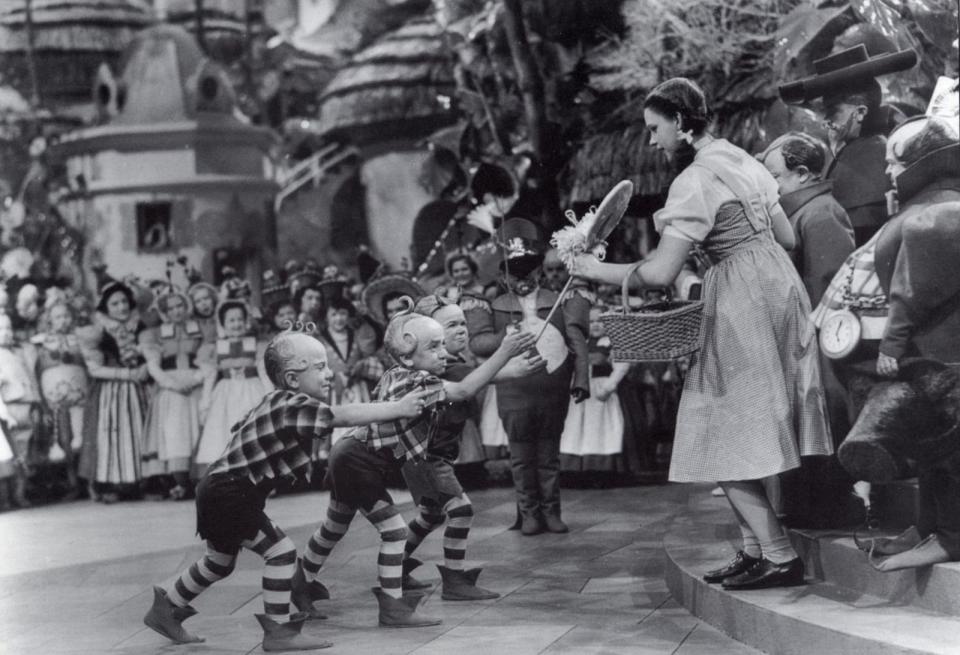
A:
[940,166]
[794,200]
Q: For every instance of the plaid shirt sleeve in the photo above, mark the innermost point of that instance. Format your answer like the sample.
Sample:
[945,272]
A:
[307,416]
[408,437]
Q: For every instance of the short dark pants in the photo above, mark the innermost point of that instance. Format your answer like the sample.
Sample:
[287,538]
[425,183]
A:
[357,475]
[432,479]
[229,511]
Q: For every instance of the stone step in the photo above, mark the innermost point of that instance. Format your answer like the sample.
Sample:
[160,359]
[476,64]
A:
[833,556]
[821,617]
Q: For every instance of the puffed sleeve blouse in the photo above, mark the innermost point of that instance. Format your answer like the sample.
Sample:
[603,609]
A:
[696,195]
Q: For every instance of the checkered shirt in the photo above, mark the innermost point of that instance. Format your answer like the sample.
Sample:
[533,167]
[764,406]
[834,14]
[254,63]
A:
[407,437]
[274,439]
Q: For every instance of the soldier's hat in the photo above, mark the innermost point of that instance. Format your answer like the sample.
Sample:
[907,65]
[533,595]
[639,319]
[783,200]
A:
[522,245]
[846,72]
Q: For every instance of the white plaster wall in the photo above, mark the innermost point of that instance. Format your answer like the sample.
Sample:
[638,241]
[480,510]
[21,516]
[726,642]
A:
[394,196]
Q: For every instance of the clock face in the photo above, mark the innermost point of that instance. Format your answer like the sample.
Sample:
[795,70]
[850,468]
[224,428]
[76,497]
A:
[840,334]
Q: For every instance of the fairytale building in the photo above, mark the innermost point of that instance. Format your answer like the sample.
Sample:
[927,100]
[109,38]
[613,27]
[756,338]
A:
[174,169]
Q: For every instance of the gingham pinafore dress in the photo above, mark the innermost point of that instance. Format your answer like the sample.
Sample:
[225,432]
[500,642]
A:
[752,401]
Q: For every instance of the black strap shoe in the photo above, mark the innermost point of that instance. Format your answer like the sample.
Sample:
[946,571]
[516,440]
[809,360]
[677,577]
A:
[765,575]
[740,563]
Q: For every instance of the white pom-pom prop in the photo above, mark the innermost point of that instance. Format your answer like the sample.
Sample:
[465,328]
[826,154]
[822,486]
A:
[589,234]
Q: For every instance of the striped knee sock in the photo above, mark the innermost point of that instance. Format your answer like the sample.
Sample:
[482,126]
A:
[393,535]
[428,520]
[326,537]
[212,567]
[459,519]
[279,561]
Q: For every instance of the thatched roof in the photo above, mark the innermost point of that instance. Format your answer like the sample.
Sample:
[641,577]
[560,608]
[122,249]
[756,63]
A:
[401,86]
[355,24]
[605,159]
[75,25]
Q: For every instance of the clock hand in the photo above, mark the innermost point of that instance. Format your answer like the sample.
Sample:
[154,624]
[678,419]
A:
[838,330]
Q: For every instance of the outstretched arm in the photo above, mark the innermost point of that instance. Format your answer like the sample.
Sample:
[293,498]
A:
[512,345]
[659,269]
[410,406]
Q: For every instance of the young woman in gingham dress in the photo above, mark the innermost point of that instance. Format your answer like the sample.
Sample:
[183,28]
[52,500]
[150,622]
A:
[752,403]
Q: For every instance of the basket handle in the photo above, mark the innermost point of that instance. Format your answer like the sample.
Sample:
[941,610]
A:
[626,284]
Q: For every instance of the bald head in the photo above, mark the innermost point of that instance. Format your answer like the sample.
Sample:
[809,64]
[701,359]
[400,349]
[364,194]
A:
[290,351]
[404,333]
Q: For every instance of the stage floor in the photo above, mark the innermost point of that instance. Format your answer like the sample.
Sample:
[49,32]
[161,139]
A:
[76,578]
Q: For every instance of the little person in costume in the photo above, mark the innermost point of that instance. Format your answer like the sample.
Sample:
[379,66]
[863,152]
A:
[271,442]
[433,481]
[360,462]
[533,409]
[235,382]
[172,428]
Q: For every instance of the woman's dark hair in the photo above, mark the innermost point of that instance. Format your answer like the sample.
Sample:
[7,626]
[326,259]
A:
[387,297]
[800,149]
[342,304]
[111,289]
[227,305]
[934,134]
[493,179]
[298,296]
[462,258]
[681,97]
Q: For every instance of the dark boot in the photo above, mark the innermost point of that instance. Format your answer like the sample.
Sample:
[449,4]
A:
[462,585]
[402,612]
[410,583]
[166,618]
[303,593]
[286,636]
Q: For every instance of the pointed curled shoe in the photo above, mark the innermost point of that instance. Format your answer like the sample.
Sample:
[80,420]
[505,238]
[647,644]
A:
[402,612]
[303,593]
[740,563]
[279,637]
[166,618]
[927,553]
[766,575]
[409,582]
[462,585]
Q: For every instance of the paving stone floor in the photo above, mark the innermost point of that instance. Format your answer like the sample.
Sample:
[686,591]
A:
[76,579]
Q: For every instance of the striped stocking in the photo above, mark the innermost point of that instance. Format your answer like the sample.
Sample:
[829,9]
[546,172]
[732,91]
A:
[326,537]
[459,519]
[393,535]
[213,566]
[429,519]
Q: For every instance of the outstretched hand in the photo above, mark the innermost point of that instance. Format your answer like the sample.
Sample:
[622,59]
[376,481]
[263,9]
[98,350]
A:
[515,343]
[413,403]
[887,366]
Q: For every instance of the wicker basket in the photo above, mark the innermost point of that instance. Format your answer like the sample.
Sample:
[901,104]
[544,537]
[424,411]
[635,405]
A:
[657,332]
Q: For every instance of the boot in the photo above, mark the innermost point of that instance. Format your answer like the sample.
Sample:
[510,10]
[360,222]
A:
[530,525]
[166,618]
[554,523]
[410,583]
[303,593]
[462,585]
[402,612]
[286,636]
